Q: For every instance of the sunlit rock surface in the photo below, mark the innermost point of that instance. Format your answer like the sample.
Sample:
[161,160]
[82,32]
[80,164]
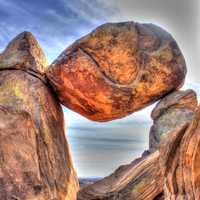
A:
[117,69]
[180,161]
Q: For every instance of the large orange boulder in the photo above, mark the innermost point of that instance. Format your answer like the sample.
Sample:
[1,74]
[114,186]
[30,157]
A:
[117,69]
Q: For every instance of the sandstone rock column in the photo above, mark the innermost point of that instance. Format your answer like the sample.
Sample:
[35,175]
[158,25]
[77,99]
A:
[170,113]
[117,69]
[35,163]
[180,162]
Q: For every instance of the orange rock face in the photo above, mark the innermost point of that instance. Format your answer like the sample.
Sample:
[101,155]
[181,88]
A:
[180,162]
[117,69]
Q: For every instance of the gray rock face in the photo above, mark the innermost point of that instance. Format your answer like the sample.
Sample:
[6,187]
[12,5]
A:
[171,112]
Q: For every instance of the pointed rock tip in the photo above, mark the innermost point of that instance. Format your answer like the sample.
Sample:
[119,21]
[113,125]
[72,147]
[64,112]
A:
[24,52]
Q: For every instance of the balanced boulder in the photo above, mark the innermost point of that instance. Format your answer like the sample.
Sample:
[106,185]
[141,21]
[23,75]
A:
[117,69]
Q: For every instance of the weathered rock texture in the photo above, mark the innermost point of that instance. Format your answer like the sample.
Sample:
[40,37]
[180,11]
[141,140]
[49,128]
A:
[139,180]
[171,112]
[180,162]
[170,173]
[35,162]
[117,69]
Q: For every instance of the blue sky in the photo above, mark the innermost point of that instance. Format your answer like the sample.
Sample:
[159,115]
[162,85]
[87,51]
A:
[56,24]
[98,148]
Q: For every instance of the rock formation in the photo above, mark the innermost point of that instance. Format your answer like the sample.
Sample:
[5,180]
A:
[24,53]
[171,112]
[143,179]
[20,176]
[34,157]
[139,180]
[159,175]
[117,69]
[180,162]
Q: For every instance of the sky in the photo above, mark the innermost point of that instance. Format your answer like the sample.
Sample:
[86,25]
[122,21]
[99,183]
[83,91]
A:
[99,148]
